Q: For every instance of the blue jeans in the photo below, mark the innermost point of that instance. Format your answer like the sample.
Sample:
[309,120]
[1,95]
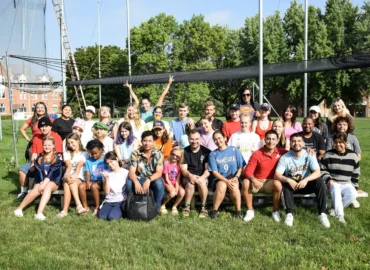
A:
[156,186]
[110,211]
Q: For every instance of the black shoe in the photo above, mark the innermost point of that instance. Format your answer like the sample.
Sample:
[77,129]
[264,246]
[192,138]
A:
[21,196]
[213,213]
[237,214]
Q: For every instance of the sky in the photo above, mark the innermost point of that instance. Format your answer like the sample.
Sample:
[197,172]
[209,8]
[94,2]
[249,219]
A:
[81,17]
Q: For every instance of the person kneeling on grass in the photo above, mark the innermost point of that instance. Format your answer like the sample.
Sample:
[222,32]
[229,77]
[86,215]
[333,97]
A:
[259,174]
[114,184]
[48,174]
[300,173]
[226,164]
[339,168]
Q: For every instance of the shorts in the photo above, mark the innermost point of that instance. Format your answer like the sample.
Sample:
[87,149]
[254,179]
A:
[185,181]
[26,169]
[215,181]
[261,189]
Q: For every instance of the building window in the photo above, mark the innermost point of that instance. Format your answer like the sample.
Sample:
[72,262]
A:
[23,108]
[44,96]
[2,91]
[2,108]
[23,95]
[55,95]
[55,108]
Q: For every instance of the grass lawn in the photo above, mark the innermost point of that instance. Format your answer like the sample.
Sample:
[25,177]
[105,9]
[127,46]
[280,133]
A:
[77,242]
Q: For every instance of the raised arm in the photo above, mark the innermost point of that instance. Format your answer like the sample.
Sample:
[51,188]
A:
[165,91]
[132,93]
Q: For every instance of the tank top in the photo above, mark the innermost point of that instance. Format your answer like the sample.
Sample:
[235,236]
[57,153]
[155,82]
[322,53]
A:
[261,132]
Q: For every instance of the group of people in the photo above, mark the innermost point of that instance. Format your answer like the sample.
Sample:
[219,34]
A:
[247,154]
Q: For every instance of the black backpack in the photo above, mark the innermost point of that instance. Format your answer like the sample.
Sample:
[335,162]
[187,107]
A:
[140,206]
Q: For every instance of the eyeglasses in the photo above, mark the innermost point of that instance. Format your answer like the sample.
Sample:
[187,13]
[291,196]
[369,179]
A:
[246,95]
[176,156]
[158,112]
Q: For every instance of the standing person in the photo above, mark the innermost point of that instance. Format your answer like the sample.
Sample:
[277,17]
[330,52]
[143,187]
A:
[247,105]
[194,169]
[299,172]
[278,126]
[226,164]
[210,110]
[207,133]
[184,140]
[74,158]
[339,168]
[259,175]
[177,126]
[290,121]
[146,110]
[339,109]
[133,117]
[105,118]
[171,176]
[313,140]
[244,140]
[114,184]
[320,127]
[100,131]
[233,124]
[63,125]
[162,140]
[87,134]
[125,144]
[94,168]
[48,174]
[158,115]
[146,169]
[264,123]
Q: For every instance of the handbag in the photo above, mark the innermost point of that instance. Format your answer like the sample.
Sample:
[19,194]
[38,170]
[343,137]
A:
[140,206]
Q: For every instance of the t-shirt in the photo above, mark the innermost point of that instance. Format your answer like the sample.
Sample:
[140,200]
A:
[196,161]
[352,143]
[164,148]
[37,143]
[315,142]
[323,131]
[248,109]
[108,144]
[149,126]
[184,141]
[207,140]
[63,127]
[81,156]
[146,116]
[226,162]
[293,129]
[96,168]
[216,124]
[117,186]
[297,168]
[247,143]
[177,127]
[230,127]
[35,129]
[87,135]
[172,170]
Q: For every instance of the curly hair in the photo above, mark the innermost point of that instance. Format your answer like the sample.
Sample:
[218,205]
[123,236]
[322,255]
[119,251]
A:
[342,119]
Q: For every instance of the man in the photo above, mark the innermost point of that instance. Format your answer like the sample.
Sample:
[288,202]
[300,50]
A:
[195,172]
[177,126]
[300,173]
[259,174]
[146,169]
[210,110]
[27,170]
[233,124]
[312,139]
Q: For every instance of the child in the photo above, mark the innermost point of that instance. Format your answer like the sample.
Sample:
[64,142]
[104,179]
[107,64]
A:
[74,158]
[94,167]
[114,185]
[100,131]
[125,143]
[48,174]
[171,176]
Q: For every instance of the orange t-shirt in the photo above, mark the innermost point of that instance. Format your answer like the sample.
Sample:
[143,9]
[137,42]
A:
[164,148]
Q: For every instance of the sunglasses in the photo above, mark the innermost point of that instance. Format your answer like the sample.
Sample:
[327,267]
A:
[176,156]
[246,95]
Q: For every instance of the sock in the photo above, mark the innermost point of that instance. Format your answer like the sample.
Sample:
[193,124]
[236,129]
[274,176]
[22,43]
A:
[187,203]
[203,205]
[24,189]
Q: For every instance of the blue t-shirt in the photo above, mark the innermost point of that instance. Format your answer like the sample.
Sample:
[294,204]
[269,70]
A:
[297,168]
[177,127]
[226,162]
[96,168]
[146,116]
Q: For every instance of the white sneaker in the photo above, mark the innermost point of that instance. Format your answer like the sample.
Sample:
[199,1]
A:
[40,216]
[18,212]
[355,204]
[323,219]
[341,219]
[163,210]
[249,215]
[289,220]
[332,212]
[276,216]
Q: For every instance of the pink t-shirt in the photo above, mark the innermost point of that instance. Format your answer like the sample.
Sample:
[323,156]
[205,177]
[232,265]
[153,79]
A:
[35,129]
[172,170]
[207,141]
[291,130]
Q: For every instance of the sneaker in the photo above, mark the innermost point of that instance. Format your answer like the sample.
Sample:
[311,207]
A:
[18,212]
[341,219]
[163,211]
[186,211]
[323,219]
[213,213]
[174,211]
[332,212]
[276,216]
[40,216]
[355,204]
[289,220]
[249,215]
[203,213]
[21,196]
[237,214]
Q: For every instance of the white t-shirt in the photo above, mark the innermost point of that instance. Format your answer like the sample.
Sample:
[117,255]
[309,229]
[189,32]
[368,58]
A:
[108,144]
[247,143]
[81,156]
[117,186]
[87,134]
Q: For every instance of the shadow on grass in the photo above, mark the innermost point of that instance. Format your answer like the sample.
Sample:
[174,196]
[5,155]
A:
[12,177]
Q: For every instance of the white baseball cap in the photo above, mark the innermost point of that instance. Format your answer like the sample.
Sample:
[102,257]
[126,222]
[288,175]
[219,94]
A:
[90,108]
[315,109]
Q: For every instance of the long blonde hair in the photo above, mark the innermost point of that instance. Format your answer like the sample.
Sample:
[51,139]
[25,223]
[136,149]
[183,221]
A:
[333,114]
[100,118]
[137,119]
[282,137]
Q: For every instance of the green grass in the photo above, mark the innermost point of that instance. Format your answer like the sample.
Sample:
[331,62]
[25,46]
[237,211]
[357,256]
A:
[77,242]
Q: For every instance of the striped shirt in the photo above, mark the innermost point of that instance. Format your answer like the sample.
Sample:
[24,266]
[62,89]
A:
[342,168]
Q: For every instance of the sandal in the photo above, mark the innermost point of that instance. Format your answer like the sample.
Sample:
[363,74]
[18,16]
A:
[95,212]
[174,211]
[81,210]
[186,211]
[62,214]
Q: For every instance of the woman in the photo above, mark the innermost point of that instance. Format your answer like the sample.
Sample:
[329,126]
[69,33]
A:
[264,123]
[338,108]
[207,133]
[320,127]
[162,140]
[157,116]
[105,118]
[133,117]
[87,134]
[247,105]
[278,126]
[100,131]
[226,164]
[63,125]
[125,143]
[290,123]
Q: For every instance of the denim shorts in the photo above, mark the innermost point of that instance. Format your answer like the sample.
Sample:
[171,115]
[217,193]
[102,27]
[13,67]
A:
[26,169]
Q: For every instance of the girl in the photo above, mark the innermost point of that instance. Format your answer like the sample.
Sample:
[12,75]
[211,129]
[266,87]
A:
[278,126]
[114,184]
[87,134]
[77,128]
[100,131]
[338,108]
[125,143]
[157,115]
[290,124]
[48,174]
[264,124]
[171,176]
[320,127]
[162,141]
[105,118]
[207,133]
[74,159]
[94,167]
[63,125]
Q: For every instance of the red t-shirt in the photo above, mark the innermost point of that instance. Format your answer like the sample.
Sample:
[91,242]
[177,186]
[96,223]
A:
[35,129]
[230,127]
[262,165]
[37,143]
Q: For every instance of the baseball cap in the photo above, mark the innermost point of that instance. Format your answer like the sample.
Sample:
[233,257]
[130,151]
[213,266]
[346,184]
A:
[234,106]
[158,124]
[265,106]
[44,121]
[315,109]
[99,125]
[90,108]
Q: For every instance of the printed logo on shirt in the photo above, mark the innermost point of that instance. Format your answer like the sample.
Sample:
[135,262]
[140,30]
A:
[225,159]
[97,170]
[201,158]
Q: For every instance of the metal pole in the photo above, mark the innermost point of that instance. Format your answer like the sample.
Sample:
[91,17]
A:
[128,40]
[305,57]
[261,52]
[99,52]
[62,57]
[1,129]
[14,131]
